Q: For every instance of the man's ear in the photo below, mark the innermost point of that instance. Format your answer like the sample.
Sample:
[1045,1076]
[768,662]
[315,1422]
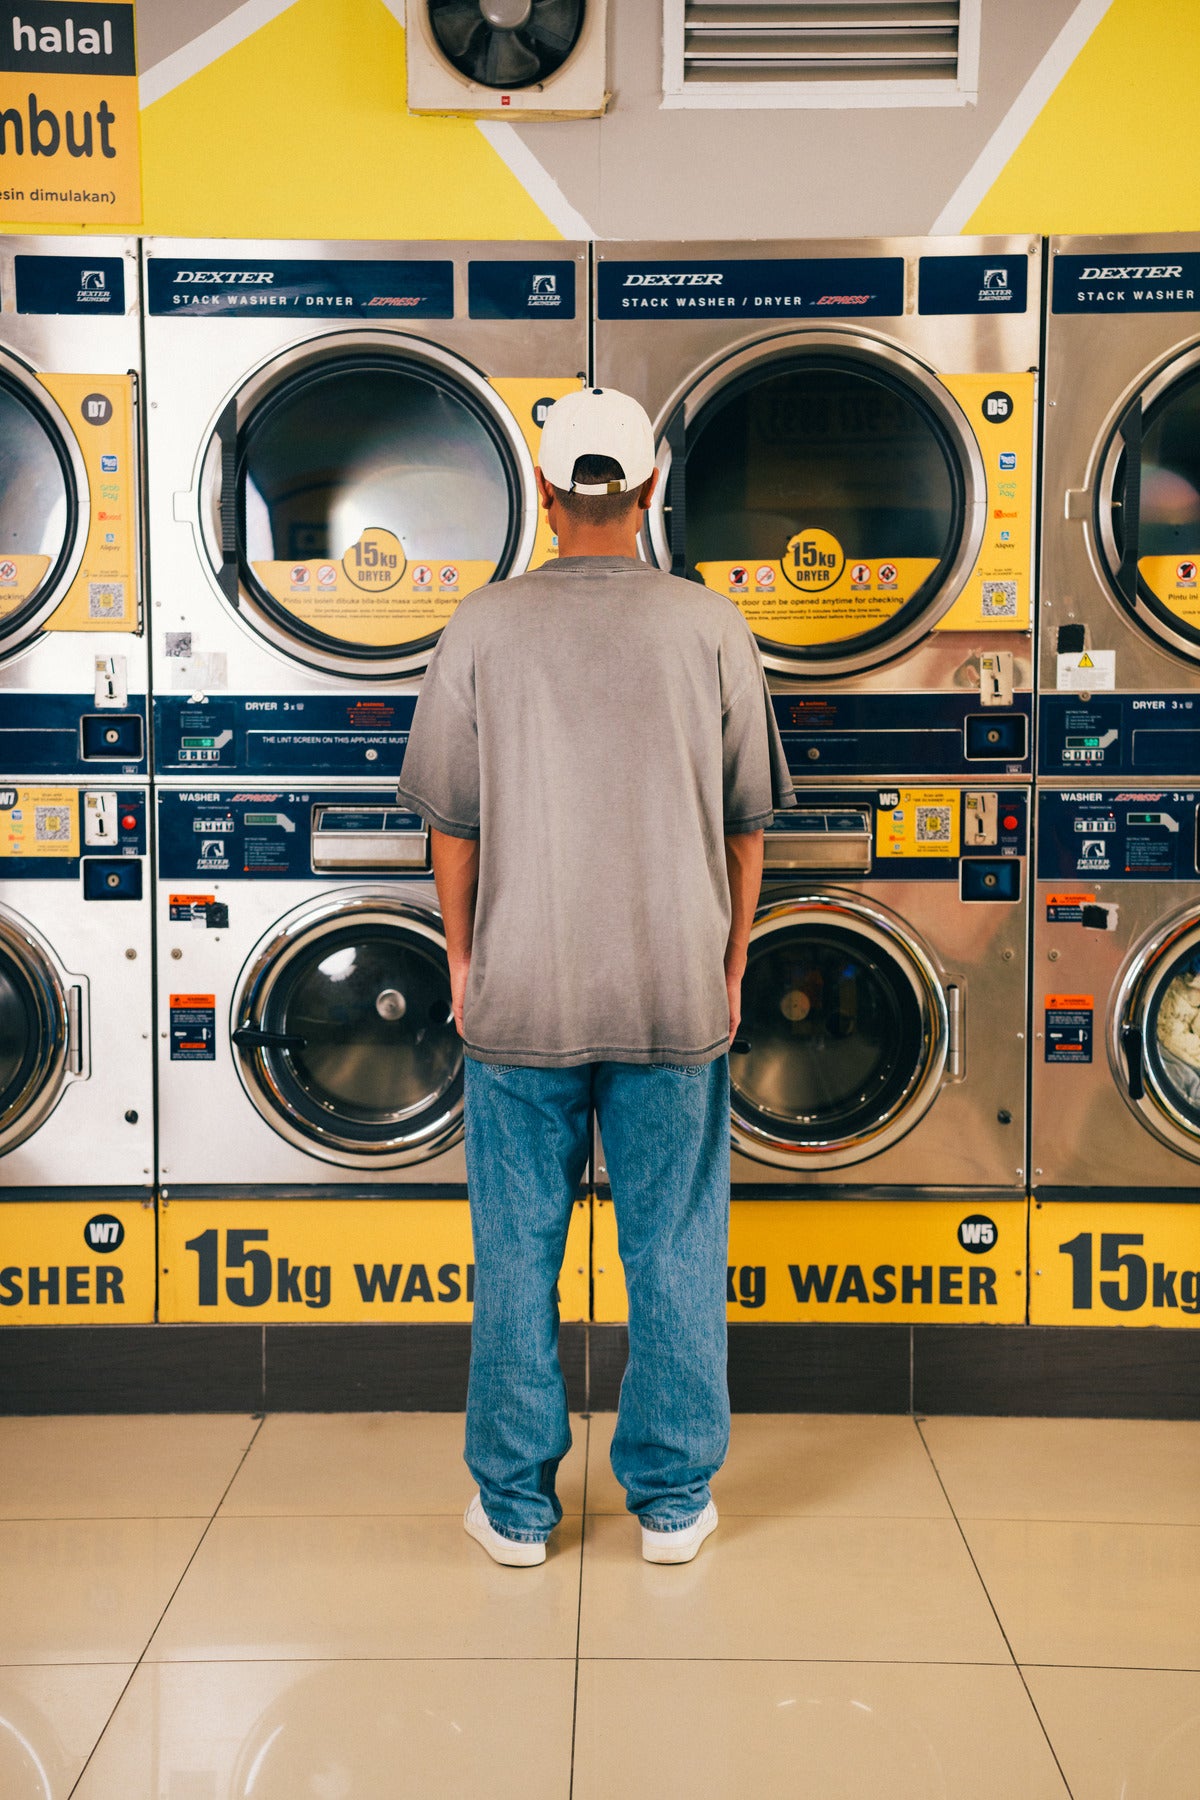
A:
[546,493]
[646,495]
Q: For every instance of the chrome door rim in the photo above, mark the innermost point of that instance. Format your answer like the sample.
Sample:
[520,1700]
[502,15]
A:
[255,985]
[252,390]
[1103,481]
[43,400]
[44,1084]
[900,946]
[1135,993]
[872,352]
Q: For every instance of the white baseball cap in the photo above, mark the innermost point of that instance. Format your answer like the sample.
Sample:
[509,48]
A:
[597,422]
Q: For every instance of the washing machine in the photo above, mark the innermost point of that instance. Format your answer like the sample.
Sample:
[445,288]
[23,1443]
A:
[1116,1068]
[76,990]
[847,442]
[306,1032]
[1120,645]
[882,1043]
[343,438]
[72,652]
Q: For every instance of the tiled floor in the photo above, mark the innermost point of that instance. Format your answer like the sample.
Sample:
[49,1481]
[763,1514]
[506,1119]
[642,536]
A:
[223,1608]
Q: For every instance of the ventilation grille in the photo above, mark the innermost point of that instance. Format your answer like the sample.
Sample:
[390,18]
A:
[810,41]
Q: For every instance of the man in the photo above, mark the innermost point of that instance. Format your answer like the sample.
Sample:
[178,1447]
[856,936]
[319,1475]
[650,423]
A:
[596,758]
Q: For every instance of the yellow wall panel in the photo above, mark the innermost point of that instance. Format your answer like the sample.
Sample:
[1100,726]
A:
[302,131]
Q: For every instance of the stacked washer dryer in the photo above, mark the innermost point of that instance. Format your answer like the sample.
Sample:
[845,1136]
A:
[1116,1074]
[76,1056]
[847,440]
[343,439]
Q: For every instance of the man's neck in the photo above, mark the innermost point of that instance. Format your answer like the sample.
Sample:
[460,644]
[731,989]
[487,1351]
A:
[591,540]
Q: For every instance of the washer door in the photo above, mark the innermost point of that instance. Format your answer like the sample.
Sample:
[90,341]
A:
[40,1032]
[1156,1045]
[355,491]
[1147,519]
[832,487]
[344,1036]
[43,507]
[848,1027]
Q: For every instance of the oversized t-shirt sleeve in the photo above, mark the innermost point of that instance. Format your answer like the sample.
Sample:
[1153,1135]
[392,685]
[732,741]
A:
[757,782]
[440,775]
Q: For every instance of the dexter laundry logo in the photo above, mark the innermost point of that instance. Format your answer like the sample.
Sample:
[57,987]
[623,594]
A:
[93,288]
[1094,854]
[545,292]
[995,286]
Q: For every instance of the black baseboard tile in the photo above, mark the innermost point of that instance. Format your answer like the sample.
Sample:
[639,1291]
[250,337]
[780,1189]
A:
[367,1368]
[1056,1372]
[131,1369]
[608,1352]
[819,1368]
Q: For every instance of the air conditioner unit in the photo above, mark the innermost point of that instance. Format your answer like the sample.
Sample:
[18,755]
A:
[495,59]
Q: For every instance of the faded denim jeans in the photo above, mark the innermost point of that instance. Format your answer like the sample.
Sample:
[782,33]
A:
[666,1146]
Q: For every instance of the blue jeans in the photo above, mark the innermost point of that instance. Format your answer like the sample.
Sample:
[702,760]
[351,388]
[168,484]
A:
[666,1144]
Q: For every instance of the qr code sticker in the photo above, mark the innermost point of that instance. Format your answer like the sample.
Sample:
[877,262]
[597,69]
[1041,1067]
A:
[999,599]
[52,824]
[933,824]
[106,599]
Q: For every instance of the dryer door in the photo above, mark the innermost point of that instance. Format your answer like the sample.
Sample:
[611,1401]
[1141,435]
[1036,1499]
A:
[833,487]
[43,507]
[354,491]
[1147,518]
[849,1032]
[1156,1037]
[41,1032]
[344,1037]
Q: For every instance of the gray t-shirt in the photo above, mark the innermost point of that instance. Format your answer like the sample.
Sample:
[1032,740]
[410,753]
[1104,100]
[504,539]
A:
[600,728]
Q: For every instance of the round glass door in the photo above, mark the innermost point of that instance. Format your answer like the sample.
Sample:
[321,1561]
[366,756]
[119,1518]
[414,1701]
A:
[34,1033]
[358,495]
[345,1035]
[834,492]
[40,484]
[1158,1018]
[847,1029]
[1148,507]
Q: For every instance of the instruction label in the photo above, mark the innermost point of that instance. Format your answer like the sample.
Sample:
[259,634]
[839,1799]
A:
[923,822]
[1068,1027]
[193,1027]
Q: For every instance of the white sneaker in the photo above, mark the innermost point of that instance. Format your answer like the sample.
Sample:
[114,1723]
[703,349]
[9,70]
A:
[501,1549]
[679,1546]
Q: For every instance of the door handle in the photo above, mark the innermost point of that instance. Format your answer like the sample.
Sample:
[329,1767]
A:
[248,1037]
[1131,1044]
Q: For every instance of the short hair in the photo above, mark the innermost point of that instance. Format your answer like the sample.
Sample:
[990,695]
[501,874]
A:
[597,509]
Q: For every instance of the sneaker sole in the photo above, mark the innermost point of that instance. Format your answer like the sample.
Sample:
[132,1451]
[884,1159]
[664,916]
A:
[670,1552]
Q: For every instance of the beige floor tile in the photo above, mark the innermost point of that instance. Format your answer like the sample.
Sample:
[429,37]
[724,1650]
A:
[87,1590]
[833,1589]
[1093,1595]
[843,1731]
[815,1464]
[1122,1734]
[342,1730]
[133,1466]
[347,1463]
[1142,1470]
[389,1587]
[49,1720]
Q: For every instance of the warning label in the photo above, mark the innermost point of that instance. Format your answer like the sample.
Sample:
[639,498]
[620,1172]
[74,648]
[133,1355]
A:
[193,1027]
[1069,1027]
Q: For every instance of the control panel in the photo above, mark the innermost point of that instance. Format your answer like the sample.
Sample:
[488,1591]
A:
[287,835]
[915,735]
[322,734]
[930,832]
[1107,736]
[1105,834]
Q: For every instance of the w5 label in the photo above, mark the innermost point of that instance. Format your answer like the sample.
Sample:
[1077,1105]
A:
[1089,1267]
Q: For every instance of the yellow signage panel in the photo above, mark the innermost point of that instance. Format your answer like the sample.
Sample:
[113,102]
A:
[42,821]
[865,1262]
[923,822]
[526,399]
[1105,1264]
[103,595]
[69,120]
[1001,412]
[77,1262]
[306,1262]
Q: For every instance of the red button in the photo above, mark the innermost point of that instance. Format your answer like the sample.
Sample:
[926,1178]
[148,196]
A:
[129,821]
[1010,821]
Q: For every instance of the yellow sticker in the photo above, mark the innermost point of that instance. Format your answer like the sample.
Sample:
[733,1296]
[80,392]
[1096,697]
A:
[1130,1264]
[42,821]
[923,822]
[859,598]
[1173,582]
[854,1262]
[526,397]
[72,141]
[996,595]
[73,1262]
[813,561]
[20,577]
[419,601]
[374,563]
[103,595]
[313,1262]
